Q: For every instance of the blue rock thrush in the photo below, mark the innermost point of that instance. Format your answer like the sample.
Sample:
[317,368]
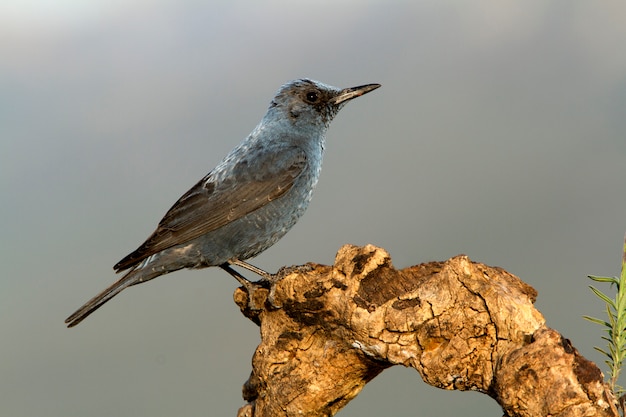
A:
[249,201]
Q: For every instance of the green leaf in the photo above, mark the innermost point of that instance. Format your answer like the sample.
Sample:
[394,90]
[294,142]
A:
[601,351]
[624,260]
[612,280]
[602,296]
[597,321]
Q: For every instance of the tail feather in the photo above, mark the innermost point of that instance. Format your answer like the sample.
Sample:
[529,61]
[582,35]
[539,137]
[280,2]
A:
[133,277]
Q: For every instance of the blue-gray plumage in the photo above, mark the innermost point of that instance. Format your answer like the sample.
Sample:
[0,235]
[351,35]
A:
[249,201]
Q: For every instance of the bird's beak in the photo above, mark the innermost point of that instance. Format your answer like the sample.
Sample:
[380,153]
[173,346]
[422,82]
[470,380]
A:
[353,92]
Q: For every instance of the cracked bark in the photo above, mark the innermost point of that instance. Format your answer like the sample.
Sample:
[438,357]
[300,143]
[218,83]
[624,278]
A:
[462,325]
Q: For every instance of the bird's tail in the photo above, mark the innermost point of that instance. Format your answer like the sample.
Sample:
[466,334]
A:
[132,277]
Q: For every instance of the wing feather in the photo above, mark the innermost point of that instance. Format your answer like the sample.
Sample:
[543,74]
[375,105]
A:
[209,205]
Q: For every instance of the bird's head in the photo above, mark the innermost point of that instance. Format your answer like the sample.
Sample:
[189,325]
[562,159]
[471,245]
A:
[312,103]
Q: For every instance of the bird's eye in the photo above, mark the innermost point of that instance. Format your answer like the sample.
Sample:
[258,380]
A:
[312,96]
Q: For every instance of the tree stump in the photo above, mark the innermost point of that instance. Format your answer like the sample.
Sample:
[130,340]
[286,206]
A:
[462,325]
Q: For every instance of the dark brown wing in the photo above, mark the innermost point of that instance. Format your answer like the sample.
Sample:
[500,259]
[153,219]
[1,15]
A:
[210,205]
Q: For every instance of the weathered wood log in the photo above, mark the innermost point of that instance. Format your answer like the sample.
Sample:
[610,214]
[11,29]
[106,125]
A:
[462,325]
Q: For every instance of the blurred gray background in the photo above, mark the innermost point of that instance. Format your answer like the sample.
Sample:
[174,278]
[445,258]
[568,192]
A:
[499,132]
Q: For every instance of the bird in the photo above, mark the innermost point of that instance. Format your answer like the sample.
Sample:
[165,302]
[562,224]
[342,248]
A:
[248,201]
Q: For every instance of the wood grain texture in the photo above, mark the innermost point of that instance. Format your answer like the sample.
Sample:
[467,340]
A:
[462,325]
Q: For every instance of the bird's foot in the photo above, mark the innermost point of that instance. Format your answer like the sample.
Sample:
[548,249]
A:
[287,270]
[251,287]
[271,279]
[267,280]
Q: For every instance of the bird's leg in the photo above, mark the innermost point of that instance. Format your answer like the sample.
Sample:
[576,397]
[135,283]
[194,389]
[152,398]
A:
[265,275]
[248,285]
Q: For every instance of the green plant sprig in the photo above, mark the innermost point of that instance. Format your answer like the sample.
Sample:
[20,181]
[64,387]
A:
[615,327]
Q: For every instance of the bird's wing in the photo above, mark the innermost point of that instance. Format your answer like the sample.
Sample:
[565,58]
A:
[210,205]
